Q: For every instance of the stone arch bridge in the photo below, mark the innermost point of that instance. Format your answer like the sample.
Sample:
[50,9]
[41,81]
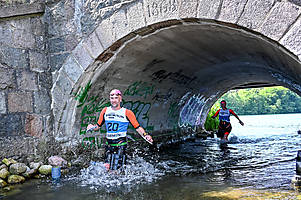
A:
[171,58]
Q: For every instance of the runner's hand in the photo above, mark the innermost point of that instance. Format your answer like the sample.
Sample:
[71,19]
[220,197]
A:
[90,127]
[241,123]
[149,138]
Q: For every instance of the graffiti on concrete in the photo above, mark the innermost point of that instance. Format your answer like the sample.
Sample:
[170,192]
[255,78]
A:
[176,77]
[163,97]
[82,94]
[140,109]
[190,113]
[162,7]
[139,88]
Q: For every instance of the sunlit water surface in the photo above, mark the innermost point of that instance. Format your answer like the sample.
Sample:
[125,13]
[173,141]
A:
[260,167]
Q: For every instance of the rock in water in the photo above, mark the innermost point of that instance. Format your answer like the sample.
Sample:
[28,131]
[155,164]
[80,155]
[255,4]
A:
[45,169]
[14,179]
[4,173]
[17,168]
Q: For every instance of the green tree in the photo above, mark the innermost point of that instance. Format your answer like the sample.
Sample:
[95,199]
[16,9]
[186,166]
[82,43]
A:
[269,100]
[210,123]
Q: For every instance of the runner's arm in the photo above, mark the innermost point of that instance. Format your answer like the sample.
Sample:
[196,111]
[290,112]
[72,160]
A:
[235,115]
[214,116]
[100,121]
[132,118]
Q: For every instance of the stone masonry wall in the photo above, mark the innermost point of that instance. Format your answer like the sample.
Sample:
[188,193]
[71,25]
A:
[25,79]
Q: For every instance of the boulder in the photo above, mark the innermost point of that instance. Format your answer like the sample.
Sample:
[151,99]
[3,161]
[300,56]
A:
[45,169]
[4,173]
[3,166]
[2,183]
[57,161]
[29,172]
[35,165]
[14,179]
[17,168]
[9,161]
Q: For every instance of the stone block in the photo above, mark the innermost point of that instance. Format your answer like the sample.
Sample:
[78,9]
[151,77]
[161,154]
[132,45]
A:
[8,56]
[7,78]
[56,45]
[82,57]
[160,10]
[208,9]
[42,102]
[292,39]
[6,33]
[135,16]
[27,81]
[34,125]
[13,128]
[71,42]
[281,17]
[72,69]
[64,83]
[22,9]
[56,60]
[57,20]
[22,37]
[37,26]
[45,80]
[2,103]
[93,45]
[20,102]
[254,13]
[38,61]
[231,10]
[188,8]
[105,33]
[121,26]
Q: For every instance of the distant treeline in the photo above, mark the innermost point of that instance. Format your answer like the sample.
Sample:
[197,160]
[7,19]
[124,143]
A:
[257,101]
[269,100]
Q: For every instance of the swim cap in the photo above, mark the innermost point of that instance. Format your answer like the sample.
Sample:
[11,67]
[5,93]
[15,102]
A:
[115,92]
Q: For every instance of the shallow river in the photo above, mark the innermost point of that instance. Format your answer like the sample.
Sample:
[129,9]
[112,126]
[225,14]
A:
[260,167]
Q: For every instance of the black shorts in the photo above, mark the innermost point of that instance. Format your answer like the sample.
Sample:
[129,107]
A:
[116,154]
[223,127]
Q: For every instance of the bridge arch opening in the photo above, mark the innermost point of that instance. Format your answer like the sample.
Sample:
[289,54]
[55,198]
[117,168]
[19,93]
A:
[172,72]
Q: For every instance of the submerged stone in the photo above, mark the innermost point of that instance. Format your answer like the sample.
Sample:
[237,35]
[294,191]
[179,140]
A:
[45,169]
[17,168]
[14,179]
[4,173]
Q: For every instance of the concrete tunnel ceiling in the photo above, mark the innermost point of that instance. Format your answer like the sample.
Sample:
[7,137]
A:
[190,66]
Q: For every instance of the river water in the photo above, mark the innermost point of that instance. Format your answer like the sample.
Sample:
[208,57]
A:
[260,166]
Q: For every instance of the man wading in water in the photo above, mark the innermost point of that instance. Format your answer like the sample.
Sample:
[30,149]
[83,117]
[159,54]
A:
[224,127]
[117,119]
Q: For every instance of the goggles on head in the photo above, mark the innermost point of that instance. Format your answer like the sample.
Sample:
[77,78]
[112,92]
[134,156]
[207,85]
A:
[115,92]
